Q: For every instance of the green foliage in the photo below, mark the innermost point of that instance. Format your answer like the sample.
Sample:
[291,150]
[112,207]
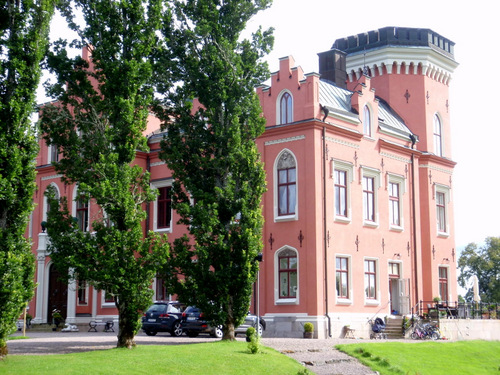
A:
[308,327]
[211,151]
[24,29]
[484,262]
[432,358]
[220,357]
[250,332]
[98,123]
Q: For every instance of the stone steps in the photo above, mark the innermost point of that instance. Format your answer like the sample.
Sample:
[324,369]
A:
[394,328]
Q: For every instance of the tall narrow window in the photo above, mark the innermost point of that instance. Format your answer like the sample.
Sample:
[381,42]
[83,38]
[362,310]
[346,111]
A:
[164,209]
[367,122]
[443,283]
[161,290]
[441,211]
[394,204]
[438,141]
[286,184]
[82,213]
[286,108]
[341,193]
[370,279]
[287,260]
[82,293]
[342,277]
[369,198]
[54,153]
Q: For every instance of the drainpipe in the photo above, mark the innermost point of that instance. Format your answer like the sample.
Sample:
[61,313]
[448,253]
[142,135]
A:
[325,240]
[414,222]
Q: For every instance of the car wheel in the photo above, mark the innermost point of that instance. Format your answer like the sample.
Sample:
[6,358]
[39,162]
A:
[151,333]
[192,334]
[260,330]
[218,332]
[176,329]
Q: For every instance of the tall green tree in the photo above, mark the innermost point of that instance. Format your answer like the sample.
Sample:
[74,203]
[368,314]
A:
[24,27]
[484,262]
[97,122]
[210,148]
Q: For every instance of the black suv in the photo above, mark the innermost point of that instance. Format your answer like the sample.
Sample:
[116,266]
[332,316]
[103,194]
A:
[163,316]
[194,323]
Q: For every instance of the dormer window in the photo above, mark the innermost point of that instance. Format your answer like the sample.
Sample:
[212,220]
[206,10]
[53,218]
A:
[286,108]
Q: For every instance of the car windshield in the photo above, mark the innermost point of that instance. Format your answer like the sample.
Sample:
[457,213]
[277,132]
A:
[158,309]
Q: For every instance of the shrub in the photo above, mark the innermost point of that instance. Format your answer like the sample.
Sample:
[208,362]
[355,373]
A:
[253,340]
[308,327]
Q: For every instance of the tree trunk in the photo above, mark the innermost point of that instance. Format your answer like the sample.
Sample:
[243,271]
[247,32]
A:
[127,326]
[228,331]
[4,350]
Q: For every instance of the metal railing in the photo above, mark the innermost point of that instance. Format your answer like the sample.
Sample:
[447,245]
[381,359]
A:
[460,310]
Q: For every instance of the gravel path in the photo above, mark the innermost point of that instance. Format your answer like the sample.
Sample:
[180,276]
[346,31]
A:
[319,356]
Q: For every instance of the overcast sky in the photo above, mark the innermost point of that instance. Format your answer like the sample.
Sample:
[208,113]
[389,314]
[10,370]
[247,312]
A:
[304,28]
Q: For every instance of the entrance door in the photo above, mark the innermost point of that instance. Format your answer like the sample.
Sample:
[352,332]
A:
[400,299]
[58,294]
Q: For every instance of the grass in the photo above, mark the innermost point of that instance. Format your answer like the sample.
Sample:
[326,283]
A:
[208,358]
[428,358]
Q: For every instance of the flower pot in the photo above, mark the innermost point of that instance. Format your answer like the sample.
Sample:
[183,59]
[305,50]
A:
[308,335]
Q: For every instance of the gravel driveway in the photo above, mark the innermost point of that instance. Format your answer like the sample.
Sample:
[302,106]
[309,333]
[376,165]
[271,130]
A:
[319,356]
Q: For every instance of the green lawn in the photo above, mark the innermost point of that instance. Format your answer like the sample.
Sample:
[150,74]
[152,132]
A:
[207,358]
[429,357]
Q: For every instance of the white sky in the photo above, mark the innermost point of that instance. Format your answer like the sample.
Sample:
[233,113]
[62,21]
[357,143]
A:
[304,28]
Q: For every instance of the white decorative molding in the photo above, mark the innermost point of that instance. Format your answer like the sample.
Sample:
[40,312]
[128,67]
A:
[433,167]
[51,177]
[342,142]
[395,157]
[285,140]
[158,163]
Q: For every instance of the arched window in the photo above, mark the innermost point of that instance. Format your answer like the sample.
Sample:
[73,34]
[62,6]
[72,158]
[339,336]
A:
[287,273]
[286,176]
[46,202]
[286,108]
[367,121]
[438,140]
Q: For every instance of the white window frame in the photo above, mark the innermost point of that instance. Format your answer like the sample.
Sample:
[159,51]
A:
[277,299]
[103,300]
[448,285]
[437,137]
[74,207]
[438,188]
[277,216]
[375,174]
[401,181]
[156,185]
[45,201]
[350,292]
[371,301]
[278,107]
[349,169]
[86,294]
[367,128]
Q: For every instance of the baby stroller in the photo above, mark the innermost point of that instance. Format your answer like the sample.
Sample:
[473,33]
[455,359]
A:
[378,328]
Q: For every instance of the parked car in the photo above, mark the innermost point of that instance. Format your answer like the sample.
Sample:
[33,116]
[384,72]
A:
[194,323]
[163,316]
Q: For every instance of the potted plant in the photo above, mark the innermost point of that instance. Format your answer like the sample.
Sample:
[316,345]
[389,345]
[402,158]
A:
[308,330]
[56,318]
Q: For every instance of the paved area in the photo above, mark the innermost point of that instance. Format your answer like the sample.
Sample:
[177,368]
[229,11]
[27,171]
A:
[319,356]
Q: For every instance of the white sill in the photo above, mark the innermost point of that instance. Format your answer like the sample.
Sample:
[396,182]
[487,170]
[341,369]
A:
[396,228]
[370,224]
[342,219]
[372,302]
[285,218]
[163,230]
[108,304]
[344,301]
[443,234]
[287,301]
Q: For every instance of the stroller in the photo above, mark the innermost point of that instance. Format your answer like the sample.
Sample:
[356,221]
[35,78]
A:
[378,328]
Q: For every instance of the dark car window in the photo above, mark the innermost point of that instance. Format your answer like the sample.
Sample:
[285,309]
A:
[158,309]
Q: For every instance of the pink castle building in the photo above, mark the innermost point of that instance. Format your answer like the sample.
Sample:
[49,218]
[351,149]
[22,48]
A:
[359,207]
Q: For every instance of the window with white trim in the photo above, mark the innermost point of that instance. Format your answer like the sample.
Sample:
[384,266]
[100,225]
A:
[343,278]
[443,283]
[367,121]
[442,199]
[46,202]
[370,181]
[371,280]
[396,188]
[285,108]
[438,136]
[342,179]
[83,292]
[285,186]
[162,208]
[287,277]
